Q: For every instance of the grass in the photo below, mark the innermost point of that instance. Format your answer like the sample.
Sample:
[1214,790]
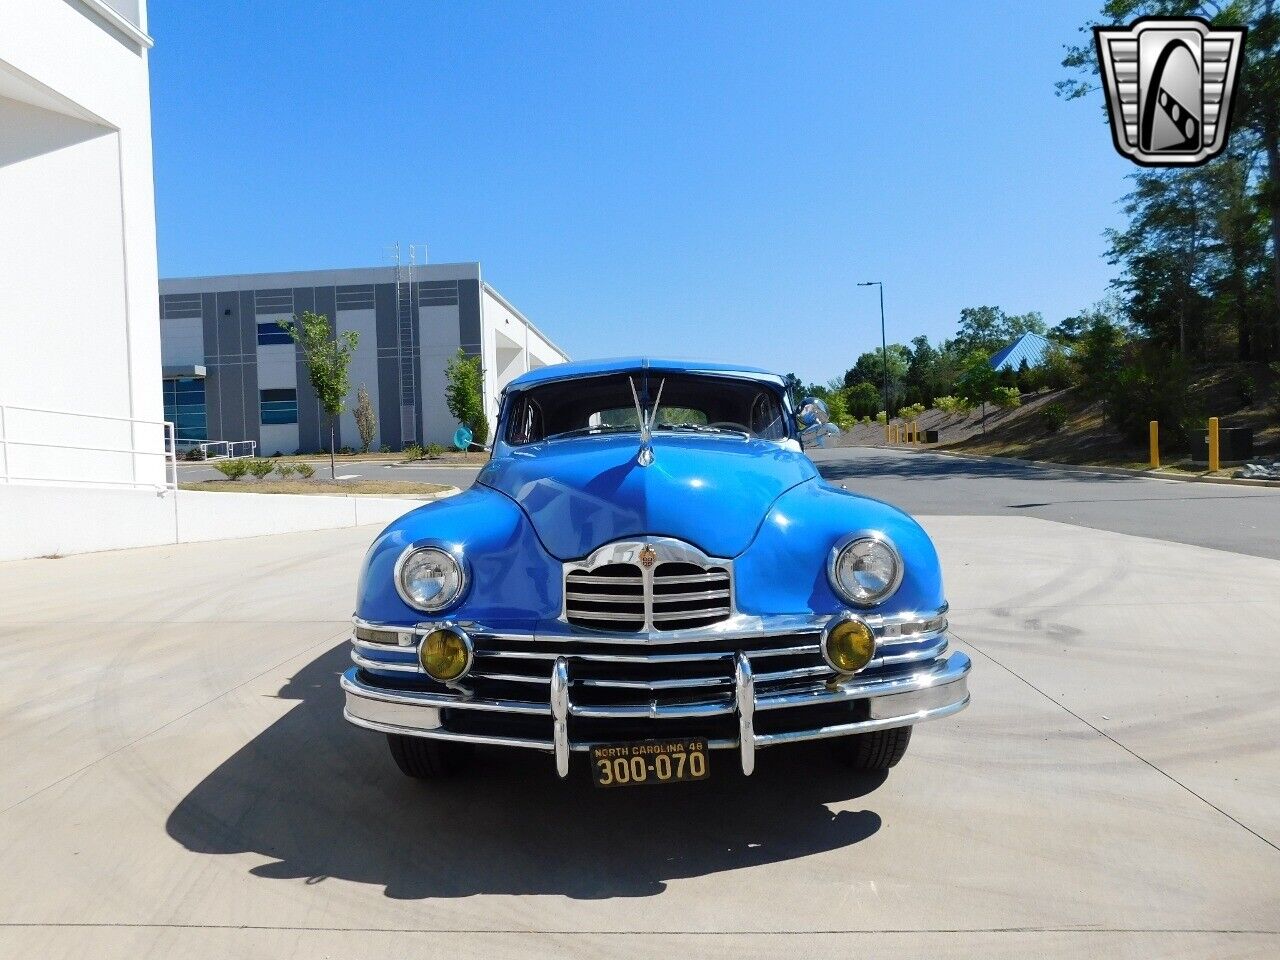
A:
[453,456]
[372,488]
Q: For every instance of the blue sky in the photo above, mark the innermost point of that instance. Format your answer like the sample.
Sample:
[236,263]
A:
[701,180]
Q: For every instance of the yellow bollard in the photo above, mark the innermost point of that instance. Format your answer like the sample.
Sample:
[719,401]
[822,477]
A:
[915,426]
[1213,444]
[888,432]
[1155,444]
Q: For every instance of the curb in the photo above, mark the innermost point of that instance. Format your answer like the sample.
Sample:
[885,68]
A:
[1105,471]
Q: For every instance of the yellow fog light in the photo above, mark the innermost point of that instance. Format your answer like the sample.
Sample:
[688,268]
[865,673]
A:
[445,654]
[849,645]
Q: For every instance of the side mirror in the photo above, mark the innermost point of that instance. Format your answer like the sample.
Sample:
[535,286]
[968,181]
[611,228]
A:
[815,422]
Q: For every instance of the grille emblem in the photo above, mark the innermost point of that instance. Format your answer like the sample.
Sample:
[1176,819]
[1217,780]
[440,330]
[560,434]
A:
[648,555]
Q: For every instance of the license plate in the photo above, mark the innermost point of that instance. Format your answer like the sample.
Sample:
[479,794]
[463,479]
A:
[649,762]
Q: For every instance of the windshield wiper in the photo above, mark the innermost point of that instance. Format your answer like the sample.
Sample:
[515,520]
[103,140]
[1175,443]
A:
[702,428]
[580,431]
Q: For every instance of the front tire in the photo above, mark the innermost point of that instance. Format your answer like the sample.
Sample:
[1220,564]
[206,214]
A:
[878,750]
[425,759]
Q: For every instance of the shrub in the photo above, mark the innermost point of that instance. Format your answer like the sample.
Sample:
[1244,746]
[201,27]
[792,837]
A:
[882,417]
[1154,385]
[464,394]
[346,451]
[865,421]
[950,404]
[287,470]
[305,470]
[1247,390]
[1057,369]
[385,449]
[232,469]
[1006,398]
[195,453]
[414,451]
[1053,416]
[911,411]
[259,468]
[434,450]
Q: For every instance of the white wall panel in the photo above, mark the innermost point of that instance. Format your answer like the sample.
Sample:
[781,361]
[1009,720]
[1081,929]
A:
[364,370]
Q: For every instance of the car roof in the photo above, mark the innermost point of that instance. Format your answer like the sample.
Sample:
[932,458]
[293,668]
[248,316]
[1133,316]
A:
[596,368]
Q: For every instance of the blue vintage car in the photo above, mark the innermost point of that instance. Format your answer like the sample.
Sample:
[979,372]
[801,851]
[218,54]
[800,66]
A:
[650,570]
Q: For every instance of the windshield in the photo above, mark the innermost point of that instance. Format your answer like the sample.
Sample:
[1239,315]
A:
[688,402]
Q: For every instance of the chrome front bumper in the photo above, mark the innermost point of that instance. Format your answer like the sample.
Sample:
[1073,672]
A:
[929,691]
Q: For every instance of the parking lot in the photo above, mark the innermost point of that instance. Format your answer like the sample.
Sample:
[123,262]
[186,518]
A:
[179,781]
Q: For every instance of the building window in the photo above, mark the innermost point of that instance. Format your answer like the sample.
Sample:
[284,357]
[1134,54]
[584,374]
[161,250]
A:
[269,333]
[279,406]
[184,406]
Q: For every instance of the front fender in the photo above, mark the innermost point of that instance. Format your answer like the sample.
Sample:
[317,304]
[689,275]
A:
[511,579]
[784,570]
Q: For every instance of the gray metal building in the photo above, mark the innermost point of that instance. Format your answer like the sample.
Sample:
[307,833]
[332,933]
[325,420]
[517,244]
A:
[231,373]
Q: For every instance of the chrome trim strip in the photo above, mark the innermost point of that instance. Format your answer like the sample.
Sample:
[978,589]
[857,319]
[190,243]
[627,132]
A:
[355,687]
[684,614]
[861,726]
[400,666]
[687,578]
[954,668]
[560,708]
[682,597]
[744,696]
[619,581]
[604,597]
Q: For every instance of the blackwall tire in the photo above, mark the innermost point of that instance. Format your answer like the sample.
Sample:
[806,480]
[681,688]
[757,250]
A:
[425,759]
[878,750]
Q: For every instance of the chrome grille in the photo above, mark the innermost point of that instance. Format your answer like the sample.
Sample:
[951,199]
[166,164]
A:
[618,680]
[611,597]
[687,595]
[656,584]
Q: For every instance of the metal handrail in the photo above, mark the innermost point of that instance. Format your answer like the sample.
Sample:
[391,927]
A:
[168,451]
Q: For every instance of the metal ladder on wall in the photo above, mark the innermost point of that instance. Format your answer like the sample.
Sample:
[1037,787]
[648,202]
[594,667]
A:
[404,324]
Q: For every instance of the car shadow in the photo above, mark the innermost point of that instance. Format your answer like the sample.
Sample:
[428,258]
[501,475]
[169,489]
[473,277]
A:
[323,799]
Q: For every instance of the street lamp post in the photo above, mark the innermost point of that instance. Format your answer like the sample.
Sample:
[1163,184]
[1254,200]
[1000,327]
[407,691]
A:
[884,349]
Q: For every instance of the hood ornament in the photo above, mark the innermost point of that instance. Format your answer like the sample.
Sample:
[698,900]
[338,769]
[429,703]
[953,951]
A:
[646,420]
[648,556]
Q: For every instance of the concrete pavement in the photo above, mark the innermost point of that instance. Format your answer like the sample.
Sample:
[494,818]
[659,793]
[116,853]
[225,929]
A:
[178,780]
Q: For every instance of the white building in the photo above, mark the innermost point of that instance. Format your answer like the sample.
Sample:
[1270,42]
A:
[78,325]
[231,373]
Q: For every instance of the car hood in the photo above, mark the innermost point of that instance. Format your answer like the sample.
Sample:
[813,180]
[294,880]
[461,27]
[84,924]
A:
[711,491]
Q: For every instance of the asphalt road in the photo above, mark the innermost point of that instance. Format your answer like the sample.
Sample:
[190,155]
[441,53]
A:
[1225,517]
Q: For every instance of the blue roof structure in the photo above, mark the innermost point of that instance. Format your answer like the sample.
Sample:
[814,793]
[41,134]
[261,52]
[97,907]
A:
[595,368]
[1030,347]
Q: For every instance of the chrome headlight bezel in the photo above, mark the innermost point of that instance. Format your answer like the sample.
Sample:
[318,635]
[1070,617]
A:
[850,541]
[459,567]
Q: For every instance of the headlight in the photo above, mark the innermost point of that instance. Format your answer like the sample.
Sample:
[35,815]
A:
[865,569]
[428,578]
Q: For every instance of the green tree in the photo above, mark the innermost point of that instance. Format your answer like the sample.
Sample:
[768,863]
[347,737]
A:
[981,328]
[327,355]
[464,394]
[862,400]
[366,421]
[978,383]
[870,367]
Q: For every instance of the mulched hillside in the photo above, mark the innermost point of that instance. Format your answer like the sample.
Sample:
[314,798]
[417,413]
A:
[1087,437]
